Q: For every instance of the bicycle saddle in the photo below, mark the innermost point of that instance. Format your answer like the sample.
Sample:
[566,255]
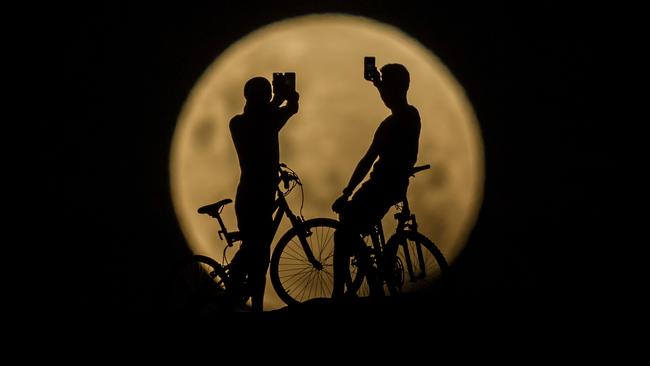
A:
[214,208]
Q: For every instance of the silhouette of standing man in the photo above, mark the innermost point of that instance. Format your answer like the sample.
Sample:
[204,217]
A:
[393,151]
[255,136]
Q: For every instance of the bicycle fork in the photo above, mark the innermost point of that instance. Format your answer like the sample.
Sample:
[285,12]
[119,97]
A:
[407,221]
[303,234]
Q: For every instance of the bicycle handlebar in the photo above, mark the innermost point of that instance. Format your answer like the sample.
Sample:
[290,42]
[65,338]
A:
[417,169]
[287,175]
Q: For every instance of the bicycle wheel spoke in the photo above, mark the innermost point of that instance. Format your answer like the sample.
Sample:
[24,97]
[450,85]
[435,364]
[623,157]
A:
[297,272]
[302,287]
[295,260]
[311,284]
[294,277]
[318,284]
[326,283]
[330,253]
[306,265]
[318,236]
[422,263]
[319,244]
[296,248]
[298,278]
[294,254]
[328,280]
[315,285]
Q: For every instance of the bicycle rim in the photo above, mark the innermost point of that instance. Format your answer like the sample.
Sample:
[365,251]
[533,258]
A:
[294,278]
[197,286]
[412,263]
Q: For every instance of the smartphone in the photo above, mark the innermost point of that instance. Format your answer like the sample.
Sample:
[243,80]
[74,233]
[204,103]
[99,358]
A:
[277,81]
[290,81]
[368,67]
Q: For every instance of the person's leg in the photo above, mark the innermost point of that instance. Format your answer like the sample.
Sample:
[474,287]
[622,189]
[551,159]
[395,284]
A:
[384,195]
[241,262]
[241,275]
[263,235]
[342,236]
[354,221]
[239,268]
[366,208]
[258,277]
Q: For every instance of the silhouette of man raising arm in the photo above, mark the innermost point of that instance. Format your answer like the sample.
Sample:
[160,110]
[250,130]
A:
[393,151]
[255,136]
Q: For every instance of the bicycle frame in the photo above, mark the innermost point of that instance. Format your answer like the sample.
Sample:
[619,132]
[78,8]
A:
[384,263]
[297,223]
[405,221]
[281,209]
[378,241]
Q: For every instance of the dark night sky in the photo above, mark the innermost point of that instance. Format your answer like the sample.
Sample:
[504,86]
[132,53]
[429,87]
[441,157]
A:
[126,73]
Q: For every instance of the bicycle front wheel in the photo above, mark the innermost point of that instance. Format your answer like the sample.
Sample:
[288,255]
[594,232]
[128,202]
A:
[412,263]
[294,277]
[197,286]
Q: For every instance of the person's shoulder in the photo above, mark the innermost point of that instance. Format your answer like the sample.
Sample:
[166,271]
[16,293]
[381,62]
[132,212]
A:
[236,121]
[414,112]
[386,123]
[236,118]
[414,117]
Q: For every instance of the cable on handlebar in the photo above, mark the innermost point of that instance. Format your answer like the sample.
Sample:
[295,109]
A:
[294,180]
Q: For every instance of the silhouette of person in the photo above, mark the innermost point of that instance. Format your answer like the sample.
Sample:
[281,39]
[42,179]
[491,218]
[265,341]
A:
[255,136]
[393,151]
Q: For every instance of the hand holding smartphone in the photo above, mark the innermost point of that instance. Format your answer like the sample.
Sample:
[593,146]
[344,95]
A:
[284,83]
[369,68]
[290,81]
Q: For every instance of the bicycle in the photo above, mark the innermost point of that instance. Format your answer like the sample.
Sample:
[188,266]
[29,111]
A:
[200,282]
[408,262]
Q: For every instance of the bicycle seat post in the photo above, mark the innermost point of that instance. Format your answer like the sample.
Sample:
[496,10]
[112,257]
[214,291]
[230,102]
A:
[214,210]
[406,210]
[380,235]
[223,230]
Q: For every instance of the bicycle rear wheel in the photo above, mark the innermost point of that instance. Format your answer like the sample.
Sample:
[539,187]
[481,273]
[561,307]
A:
[197,286]
[294,278]
[412,263]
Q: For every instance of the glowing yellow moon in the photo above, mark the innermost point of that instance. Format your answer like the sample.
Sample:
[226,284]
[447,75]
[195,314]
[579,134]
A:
[339,112]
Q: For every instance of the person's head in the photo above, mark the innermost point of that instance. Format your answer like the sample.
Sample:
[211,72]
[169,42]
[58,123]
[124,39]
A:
[394,85]
[257,91]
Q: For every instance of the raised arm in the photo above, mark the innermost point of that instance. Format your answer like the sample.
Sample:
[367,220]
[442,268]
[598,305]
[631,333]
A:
[291,108]
[362,169]
[360,172]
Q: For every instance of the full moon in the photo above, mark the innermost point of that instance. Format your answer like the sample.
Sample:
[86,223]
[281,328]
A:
[339,112]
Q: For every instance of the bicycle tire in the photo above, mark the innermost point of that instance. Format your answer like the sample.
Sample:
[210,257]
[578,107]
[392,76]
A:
[197,286]
[428,271]
[294,278]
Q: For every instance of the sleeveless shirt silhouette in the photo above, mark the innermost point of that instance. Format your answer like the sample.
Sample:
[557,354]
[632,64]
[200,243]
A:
[392,154]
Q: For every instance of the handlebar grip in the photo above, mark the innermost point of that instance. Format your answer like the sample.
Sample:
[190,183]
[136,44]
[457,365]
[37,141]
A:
[420,168]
